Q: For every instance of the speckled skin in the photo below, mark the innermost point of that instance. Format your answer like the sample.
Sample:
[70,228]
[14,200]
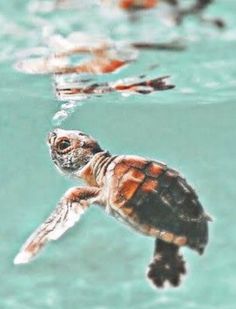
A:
[144,194]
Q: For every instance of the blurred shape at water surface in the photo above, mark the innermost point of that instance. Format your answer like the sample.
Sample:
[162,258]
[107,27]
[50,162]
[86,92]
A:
[55,65]
[137,4]
[75,93]
[126,86]
[171,11]
[107,55]
[176,13]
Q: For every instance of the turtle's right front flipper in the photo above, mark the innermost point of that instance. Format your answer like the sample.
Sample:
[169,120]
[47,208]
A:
[67,213]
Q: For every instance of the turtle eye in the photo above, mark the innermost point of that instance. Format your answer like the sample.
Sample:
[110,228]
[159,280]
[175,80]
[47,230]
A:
[64,144]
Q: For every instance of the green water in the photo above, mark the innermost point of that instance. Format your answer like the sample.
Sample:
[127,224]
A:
[100,264]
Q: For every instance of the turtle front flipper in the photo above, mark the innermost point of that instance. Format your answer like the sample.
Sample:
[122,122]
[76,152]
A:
[167,265]
[67,213]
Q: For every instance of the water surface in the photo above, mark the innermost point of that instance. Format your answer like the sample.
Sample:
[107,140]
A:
[100,264]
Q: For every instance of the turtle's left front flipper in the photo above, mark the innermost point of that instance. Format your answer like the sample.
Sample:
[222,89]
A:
[67,213]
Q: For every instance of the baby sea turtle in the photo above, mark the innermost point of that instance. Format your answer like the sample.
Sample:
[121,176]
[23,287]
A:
[145,194]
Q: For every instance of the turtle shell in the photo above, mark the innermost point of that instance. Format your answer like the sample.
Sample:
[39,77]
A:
[157,201]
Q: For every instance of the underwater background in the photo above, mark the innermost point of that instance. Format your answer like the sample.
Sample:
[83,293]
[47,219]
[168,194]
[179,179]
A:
[100,264]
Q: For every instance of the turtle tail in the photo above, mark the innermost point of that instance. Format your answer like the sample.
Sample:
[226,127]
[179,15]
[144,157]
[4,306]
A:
[167,265]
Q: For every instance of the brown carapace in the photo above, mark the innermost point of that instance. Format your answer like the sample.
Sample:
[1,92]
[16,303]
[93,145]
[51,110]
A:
[144,194]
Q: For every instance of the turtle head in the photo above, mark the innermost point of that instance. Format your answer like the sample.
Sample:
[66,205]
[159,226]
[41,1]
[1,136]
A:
[71,150]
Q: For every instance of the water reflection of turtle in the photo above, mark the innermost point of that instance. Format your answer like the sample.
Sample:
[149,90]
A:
[146,195]
[195,8]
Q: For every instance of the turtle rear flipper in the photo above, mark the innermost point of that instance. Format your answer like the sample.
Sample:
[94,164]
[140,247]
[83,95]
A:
[167,265]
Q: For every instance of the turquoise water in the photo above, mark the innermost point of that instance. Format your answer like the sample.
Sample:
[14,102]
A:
[100,264]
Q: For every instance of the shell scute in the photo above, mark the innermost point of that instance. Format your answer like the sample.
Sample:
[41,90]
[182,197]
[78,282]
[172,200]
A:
[166,198]
[166,179]
[128,188]
[178,193]
[120,169]
[180,240]
[135,161]
[190,210]
[155,169]
[185,187]
[127,184]
[149,185]
[167,236]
